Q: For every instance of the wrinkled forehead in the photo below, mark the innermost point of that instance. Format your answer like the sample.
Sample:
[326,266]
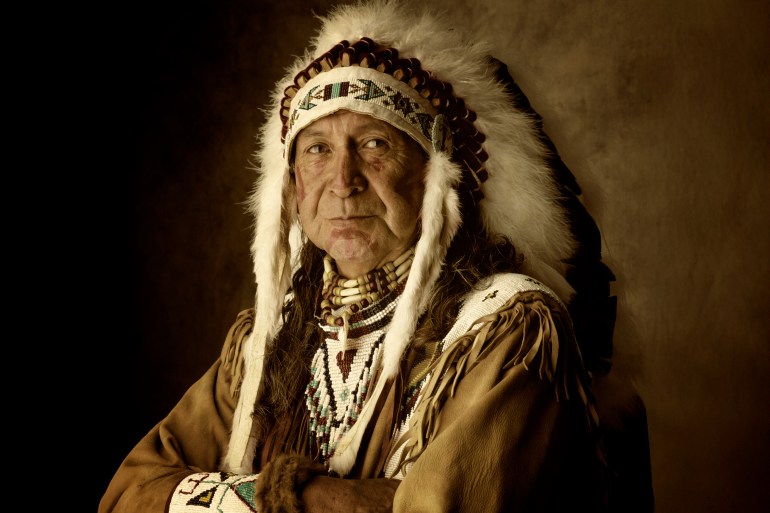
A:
[351,124]
[363,91]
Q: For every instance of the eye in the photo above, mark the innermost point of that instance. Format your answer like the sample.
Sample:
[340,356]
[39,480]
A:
[315,148]
[375,144]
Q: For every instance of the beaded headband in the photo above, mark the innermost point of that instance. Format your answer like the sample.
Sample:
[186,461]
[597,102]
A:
[366,91]
[372,79]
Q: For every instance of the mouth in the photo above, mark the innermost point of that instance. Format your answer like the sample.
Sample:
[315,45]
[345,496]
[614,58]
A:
[350,226]
[348,219]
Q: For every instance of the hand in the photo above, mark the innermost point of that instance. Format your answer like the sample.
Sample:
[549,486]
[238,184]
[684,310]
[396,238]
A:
[324,494]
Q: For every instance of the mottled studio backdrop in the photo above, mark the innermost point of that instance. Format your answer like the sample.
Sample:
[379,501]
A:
[660,108]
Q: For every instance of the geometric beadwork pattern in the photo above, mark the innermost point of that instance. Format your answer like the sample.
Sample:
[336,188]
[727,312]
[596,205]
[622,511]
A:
[341,372]
[218,492]
[362,90]
[367,91]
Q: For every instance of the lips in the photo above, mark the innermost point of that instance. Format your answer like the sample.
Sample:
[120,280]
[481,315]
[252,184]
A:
[350,227]
[346,220]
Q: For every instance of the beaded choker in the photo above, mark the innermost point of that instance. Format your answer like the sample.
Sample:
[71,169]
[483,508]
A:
[358,293]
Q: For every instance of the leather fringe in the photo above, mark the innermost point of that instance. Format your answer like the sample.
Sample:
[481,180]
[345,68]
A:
[544,348]
[232,350]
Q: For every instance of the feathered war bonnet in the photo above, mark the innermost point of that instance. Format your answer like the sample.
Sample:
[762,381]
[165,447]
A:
[411,69]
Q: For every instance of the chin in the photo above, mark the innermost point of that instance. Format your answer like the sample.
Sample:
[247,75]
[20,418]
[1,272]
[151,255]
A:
[353,254]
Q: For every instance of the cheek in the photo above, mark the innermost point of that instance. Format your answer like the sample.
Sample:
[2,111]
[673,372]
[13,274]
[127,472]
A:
[376,165]
[404,208]
[300,185]
[410,193]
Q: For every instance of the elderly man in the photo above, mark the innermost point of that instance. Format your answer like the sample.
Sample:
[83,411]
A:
[420,284]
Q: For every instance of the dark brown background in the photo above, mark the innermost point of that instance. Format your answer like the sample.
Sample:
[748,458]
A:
[660,108]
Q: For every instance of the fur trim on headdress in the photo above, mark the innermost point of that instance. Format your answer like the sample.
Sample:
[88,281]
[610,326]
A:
[500,154]
[273,205]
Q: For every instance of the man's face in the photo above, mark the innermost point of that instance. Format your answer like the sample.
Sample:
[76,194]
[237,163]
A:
[359,189]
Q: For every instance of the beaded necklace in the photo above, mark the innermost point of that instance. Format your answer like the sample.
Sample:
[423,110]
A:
[355,316]
[343,297]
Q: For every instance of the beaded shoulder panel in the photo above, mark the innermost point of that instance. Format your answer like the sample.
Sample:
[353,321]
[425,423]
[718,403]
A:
[486,300]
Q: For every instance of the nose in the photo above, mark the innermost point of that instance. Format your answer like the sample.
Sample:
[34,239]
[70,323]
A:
[347,178]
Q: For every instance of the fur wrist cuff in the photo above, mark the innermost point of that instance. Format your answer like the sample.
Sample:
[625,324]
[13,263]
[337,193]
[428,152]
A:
[280,483]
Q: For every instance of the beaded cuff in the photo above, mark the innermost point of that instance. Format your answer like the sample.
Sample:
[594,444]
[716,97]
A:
[215,491]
